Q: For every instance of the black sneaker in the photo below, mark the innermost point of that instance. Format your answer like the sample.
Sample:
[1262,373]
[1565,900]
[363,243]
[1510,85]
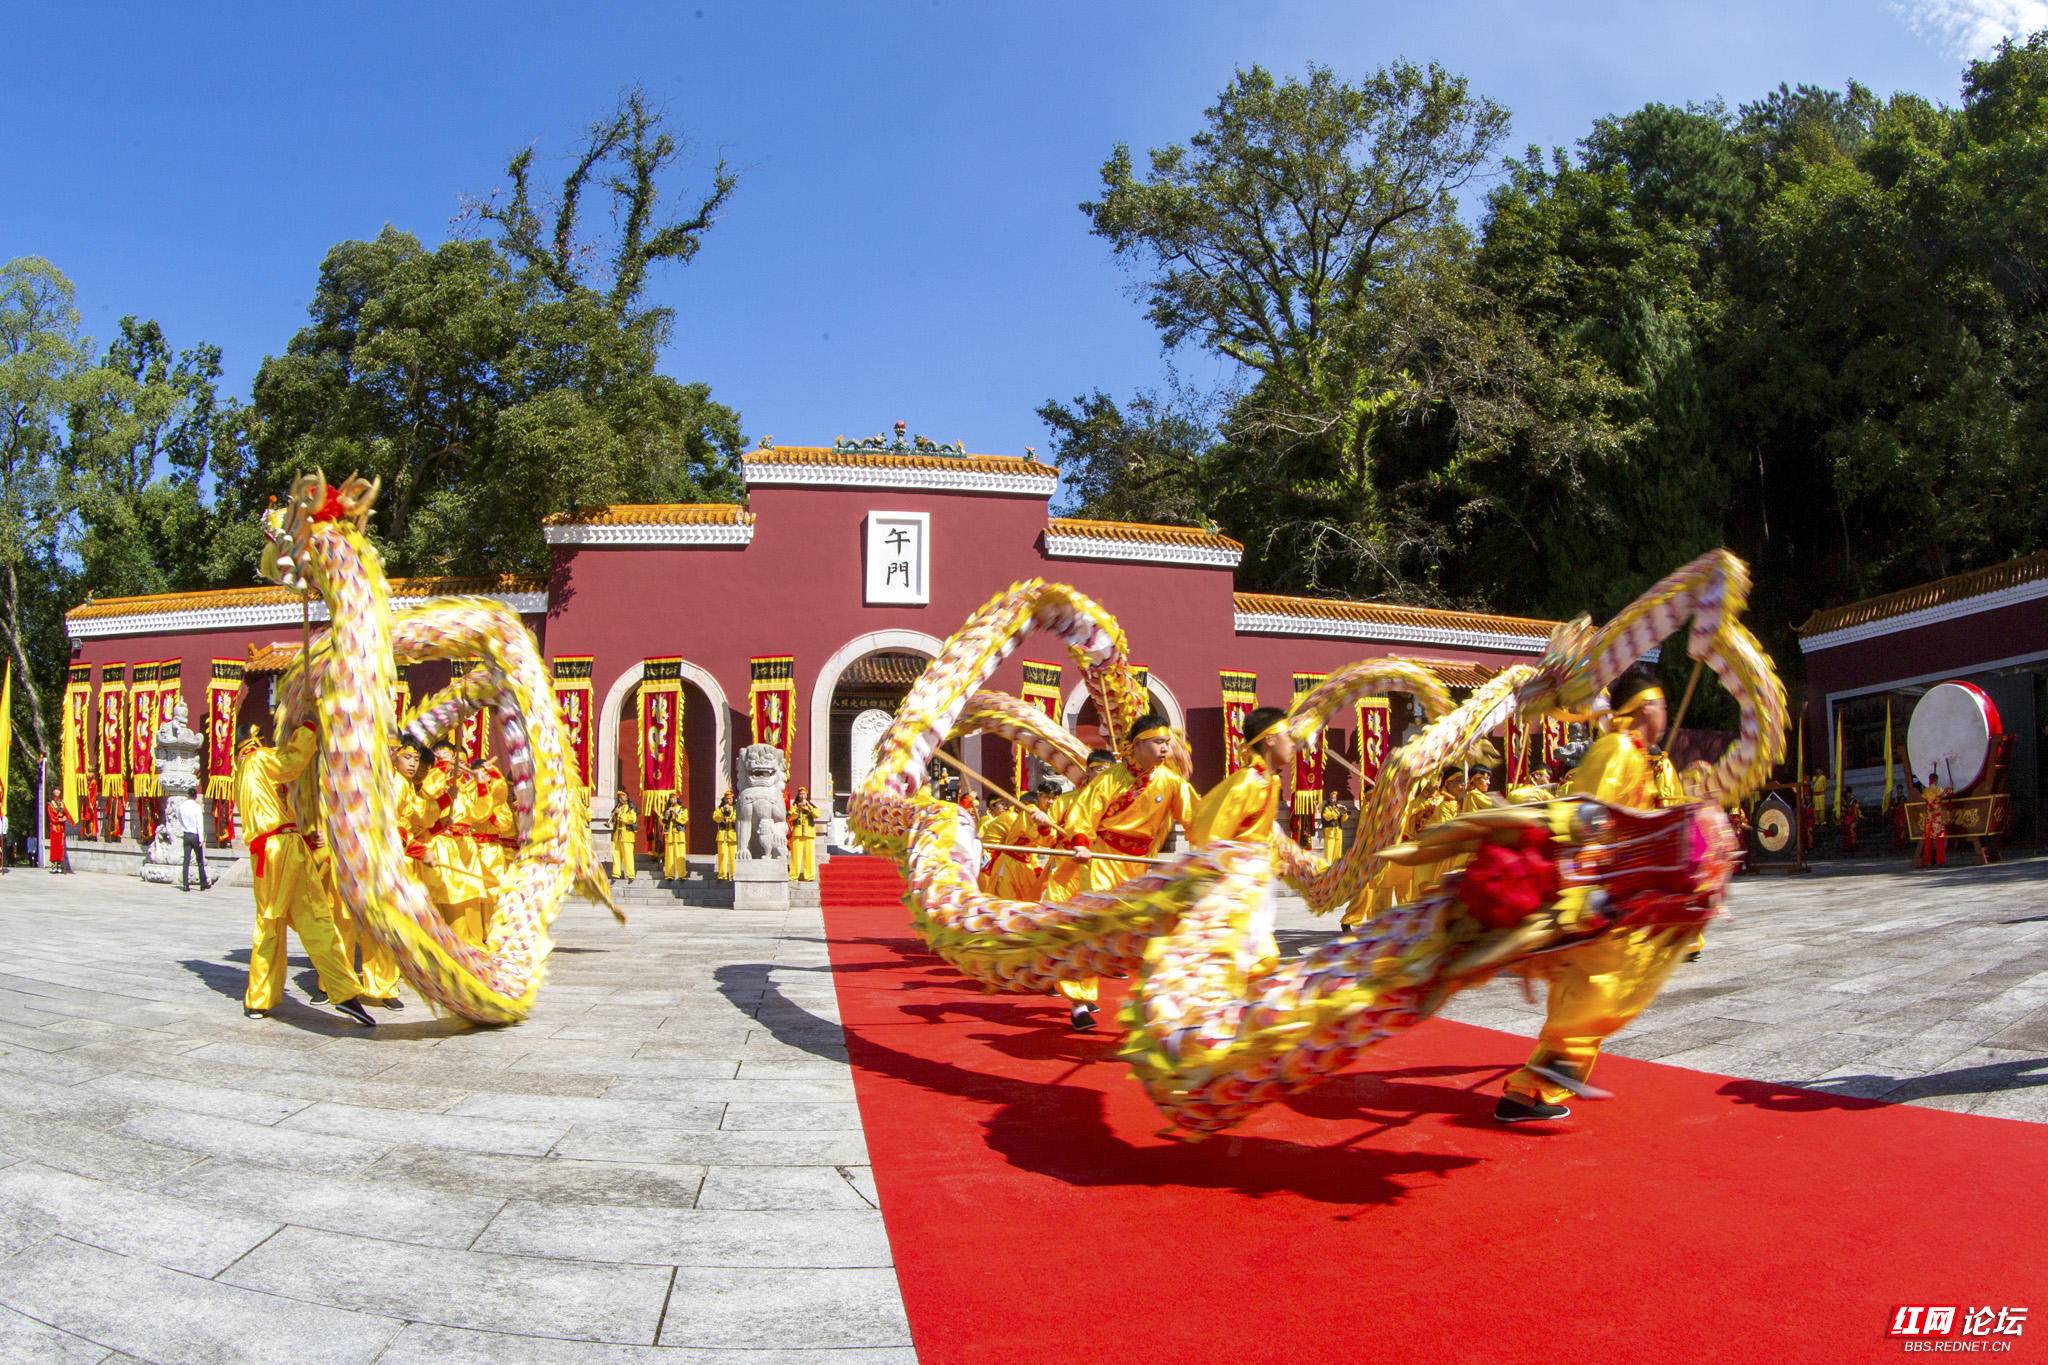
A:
[319,996]
[353,1008]
[1082,1017]
[248,1013]
[1513,1109]
[389,1002]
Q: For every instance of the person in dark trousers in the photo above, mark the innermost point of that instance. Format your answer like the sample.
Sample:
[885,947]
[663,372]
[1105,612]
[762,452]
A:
[186,809]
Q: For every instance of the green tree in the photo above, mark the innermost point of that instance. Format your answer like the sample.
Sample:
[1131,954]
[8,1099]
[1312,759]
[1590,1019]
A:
[1281,236]
[45,370]
[488,384]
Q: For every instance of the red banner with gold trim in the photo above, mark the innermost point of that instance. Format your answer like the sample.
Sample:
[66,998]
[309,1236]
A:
[772,700]
[142,701]
[1375,736]
[223,690]
[113,708]
[1042,690]
[476,726]
[661,732]
[401,698]
[1556,732]
[1240,695]
[1308,769]
[170,689]
[574,701]
[77,737]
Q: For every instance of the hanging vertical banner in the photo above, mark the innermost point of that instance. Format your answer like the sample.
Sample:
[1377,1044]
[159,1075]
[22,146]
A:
[573,699]
[113,732]
[142,699]
[401,696]
[773,702]
[1042,690]
[476,730]
[170,689]
[1556,732]
[77,737]
[1887,753]
[661,732]
[1375,734]
[1517,750]
[1308,768]
[223,690]
[1240,695]
[1836,795]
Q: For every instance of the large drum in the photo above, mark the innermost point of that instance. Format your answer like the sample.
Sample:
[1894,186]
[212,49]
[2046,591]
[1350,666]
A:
[1953,733]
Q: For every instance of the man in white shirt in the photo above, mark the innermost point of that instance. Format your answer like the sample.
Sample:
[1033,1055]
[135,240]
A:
[185,810]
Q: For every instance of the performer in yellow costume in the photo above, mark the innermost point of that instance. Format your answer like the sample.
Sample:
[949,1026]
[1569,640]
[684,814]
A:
[1598,987]
[1478,792]
[1022,876]
[288,891]
[1243,807]
[803,837]
[725,824]
[1130,809]
[1334,813]
[675,841]
[484,813]
[625,827]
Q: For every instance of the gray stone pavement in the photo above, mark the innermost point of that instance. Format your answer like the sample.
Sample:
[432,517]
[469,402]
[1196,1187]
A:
[1871,980]
[658,1165]
[642,1169]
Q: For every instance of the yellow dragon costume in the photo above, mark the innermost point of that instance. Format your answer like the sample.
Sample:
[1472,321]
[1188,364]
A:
[1211,1031]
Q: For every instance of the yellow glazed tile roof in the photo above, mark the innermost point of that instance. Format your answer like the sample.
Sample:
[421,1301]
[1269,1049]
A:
[1940,593]
[656,514]
[891,459]
[1454,672]
[1142,533]
[271,595]
[274,657]
[1391,614]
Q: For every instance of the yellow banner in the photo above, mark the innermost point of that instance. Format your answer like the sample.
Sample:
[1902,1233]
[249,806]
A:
[1240,695]
[574,698]
[661,732]
[113,732]
[772,701]
[1041,689]
[223,690]
[77,737]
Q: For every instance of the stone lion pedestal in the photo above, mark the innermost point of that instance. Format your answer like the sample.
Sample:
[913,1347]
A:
[177,768]
[760,879]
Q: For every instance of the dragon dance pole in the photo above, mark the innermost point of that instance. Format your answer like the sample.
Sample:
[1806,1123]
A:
[1074,853]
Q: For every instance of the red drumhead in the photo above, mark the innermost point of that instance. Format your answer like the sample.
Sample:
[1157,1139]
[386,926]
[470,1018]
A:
[1950,734]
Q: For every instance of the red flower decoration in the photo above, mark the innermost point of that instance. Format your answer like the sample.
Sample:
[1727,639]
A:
[1505,883]
[330,506]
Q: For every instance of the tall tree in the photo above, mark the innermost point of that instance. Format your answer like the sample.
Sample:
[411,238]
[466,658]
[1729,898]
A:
[490,383]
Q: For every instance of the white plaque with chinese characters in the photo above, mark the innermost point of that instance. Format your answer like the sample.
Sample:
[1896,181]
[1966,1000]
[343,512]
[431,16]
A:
[899,559]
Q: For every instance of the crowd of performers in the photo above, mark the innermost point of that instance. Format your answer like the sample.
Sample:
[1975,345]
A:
[1123,814]
[456,821]
[670,831]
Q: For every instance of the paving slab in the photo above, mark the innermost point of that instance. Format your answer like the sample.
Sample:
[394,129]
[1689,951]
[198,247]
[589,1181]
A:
[665,1162]
[163,1315]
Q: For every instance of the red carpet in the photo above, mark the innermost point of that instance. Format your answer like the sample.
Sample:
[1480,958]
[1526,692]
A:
[1036,1215]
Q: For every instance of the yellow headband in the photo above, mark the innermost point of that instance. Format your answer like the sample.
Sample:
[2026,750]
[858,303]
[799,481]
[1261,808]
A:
[1249,740]
[1153,733]
[1640,700]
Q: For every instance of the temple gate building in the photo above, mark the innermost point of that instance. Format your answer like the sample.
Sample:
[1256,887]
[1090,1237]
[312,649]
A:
[826,592]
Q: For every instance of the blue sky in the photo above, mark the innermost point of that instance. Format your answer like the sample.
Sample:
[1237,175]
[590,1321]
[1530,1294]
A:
[904,241]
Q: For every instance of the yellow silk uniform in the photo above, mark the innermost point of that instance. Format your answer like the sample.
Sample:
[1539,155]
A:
[993,829]
[1124,813]
[1243,807]
[485,810]
[1333,833]
[1020,876]
[288,889]
[675,841]
[803,842]
[1438,808]
[1598,987]
[725,821]
[625,823]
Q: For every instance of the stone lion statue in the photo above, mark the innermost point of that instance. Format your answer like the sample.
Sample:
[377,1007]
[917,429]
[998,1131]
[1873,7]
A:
[763,824]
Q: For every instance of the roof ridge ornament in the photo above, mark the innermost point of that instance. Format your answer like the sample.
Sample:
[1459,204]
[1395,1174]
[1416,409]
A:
[900,444]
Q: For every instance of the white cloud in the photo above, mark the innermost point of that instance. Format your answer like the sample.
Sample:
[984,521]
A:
[1972,28]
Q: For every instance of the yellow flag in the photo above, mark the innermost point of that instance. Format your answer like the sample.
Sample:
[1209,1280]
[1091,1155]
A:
[1838,763]
[1887,753]
[6,727]
[1800,775]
